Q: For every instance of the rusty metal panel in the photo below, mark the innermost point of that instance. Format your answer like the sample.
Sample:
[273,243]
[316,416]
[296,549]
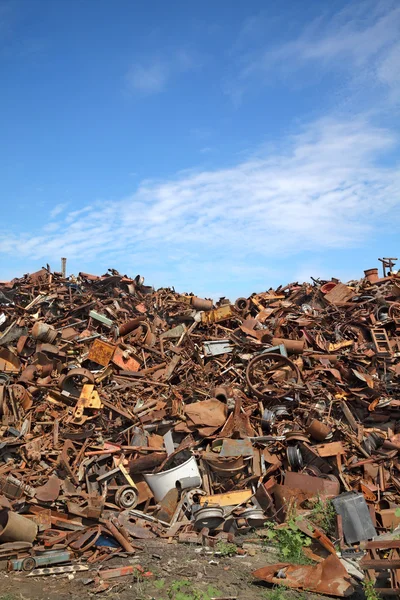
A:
[101,352]
[124,361]
[327,577]
[315,485]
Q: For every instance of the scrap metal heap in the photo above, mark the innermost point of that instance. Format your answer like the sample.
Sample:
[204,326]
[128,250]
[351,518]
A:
[129,414]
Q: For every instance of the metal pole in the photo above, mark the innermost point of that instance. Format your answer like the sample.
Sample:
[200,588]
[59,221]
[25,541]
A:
[63,267]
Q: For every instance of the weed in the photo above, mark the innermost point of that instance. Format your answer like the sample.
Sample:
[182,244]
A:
[159,584]
[278,592]
[370,591]
[281,592]
[225,548]
[323,515]
[290,541]
[182,590]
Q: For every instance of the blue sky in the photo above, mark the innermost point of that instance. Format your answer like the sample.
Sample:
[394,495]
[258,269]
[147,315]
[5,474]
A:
[218,147]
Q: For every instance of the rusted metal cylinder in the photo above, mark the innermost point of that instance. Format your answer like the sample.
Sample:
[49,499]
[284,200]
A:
[201,303]
[119,537]
[129,326]
[44,332]
[225,394]
[242,304]
[292,346]
[222,393]
[319,431]
[64,267]
[328,287]
[16,528]
[372,275]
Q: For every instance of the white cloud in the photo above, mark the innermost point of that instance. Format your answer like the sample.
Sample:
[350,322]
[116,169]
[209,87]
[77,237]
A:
[58,209]
[361,40]
[50,227]
[327,190]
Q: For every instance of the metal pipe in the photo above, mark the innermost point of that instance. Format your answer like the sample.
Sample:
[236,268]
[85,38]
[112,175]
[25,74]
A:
[64,267]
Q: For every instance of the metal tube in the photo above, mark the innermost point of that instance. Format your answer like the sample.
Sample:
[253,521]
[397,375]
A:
[64,267]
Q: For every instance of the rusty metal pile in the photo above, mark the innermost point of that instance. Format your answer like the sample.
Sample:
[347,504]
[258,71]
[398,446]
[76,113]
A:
[129,414]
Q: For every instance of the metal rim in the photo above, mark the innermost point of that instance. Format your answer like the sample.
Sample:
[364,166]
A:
[126,497]
[74,380]
[265,366]
[28,564]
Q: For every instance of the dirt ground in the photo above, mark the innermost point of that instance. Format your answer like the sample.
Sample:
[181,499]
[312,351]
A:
[172,565]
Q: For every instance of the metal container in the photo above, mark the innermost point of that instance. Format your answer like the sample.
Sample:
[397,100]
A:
[242,304]
[186,474]
[372,275]
[201,303]
[328,287]
[44,332]
[319,431]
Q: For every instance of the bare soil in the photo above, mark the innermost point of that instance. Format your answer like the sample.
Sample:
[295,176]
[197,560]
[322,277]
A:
[230,577]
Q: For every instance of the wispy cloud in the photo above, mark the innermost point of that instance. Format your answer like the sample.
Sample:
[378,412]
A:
[326,189]
[149,78]
[152,75]
[58,209]
[362,40]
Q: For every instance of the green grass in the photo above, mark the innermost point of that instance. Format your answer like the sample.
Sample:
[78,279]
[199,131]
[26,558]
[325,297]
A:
[182,589]
[226,548]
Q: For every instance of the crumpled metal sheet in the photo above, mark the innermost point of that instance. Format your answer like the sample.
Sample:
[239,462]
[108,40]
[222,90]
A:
[328,577]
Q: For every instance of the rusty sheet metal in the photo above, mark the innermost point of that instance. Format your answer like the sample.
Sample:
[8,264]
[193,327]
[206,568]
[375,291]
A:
[50,491]
[328,577]
[208,412]
[312,485]
[101,352]
[124,361]
[236,448]
[8,360]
